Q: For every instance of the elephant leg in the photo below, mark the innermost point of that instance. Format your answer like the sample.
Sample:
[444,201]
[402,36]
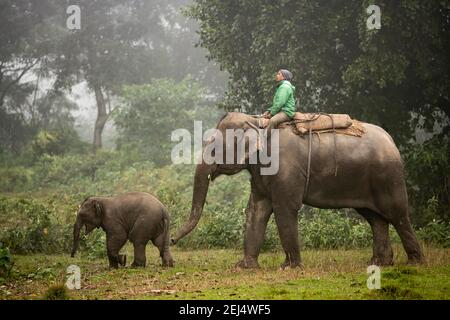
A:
[114,242]
[409,240]
[140,235]
[164,252]
[258,213]
[382,250]
[287,224]
[397,214]
[139,254]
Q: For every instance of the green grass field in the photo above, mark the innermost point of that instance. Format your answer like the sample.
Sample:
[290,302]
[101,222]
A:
[210,274]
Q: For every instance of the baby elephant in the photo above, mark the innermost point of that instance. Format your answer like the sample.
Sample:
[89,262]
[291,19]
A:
[136,216]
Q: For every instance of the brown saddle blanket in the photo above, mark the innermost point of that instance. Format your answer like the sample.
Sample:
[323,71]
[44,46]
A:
[322,123]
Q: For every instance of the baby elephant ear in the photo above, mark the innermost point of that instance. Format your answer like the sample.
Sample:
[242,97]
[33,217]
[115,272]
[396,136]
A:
[98,209]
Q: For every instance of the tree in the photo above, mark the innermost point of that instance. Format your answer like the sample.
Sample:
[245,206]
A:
[429,179]
[386,76]
[397,76]
[119,42]
[23,46]
[26,39]
[152,111]
[183,57]
[111,48]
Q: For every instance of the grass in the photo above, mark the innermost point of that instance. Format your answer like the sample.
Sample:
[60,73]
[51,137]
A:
[210,274]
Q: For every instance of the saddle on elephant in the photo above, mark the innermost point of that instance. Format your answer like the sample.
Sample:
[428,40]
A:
[318,123]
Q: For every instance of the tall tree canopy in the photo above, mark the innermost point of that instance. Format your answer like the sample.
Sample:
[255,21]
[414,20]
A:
[118,43]
[388,76]
[111,48]
[26,40]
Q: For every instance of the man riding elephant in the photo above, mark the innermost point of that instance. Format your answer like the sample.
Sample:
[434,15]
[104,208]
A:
[366,174]
[283,106]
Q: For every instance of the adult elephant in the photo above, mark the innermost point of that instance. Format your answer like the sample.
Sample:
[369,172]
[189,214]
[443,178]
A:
[370,179]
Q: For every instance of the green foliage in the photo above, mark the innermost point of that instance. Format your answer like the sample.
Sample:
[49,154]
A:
[44,223]
[6,261]
[152,111]
[70,169]
[14,134]
[94,245]
[327,229]
[112,48]
[436,232]
[428,168]
[57,142]
[382,76]
[391,77]
[32,226]
[35,226]
[41,273]
[44,142]
[15,178]
[56,292]
[223,229]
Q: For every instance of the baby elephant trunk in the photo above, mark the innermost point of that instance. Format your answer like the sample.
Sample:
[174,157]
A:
[76,236]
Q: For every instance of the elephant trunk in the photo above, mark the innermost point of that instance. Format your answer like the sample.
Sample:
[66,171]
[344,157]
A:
[76,235]
[201,184]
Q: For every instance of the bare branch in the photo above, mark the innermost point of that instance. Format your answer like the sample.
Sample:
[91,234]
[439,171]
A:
[5,91]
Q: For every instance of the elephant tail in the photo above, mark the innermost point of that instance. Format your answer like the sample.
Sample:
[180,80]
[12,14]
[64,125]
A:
[166,231]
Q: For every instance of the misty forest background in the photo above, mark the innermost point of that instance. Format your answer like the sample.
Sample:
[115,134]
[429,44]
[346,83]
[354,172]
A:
[90,111]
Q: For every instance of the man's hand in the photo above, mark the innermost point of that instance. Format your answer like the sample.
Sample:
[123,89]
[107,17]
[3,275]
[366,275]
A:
[267,115]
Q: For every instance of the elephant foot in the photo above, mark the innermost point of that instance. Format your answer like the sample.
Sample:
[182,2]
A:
[168,263]
[381,261]
[122,259]
[137,265]
[291,265]
[247,264]
[416,259]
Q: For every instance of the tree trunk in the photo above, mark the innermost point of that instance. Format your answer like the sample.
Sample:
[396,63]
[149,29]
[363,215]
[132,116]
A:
[102,117]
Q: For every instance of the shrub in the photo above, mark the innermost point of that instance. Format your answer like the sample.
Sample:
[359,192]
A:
[94,244]
[436,232]
[146,120]
[38,232]
[56,292]
[6,262]
[32,226]
[428,172]
[329,229]
[53,171]
[15,178]
[39,229]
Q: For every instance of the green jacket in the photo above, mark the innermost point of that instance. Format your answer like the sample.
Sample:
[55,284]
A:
[284,99]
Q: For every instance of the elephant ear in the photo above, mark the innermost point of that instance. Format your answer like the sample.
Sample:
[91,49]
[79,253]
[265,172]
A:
[99,211]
